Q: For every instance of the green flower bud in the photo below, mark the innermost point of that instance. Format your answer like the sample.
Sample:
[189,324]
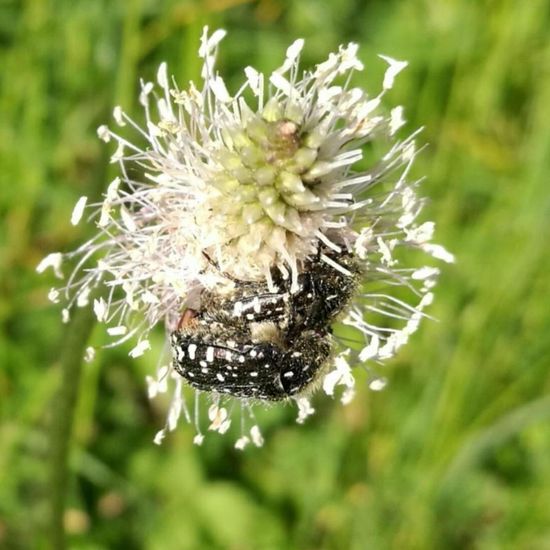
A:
[272,110]
[290,183]
[265,175]
[252,213]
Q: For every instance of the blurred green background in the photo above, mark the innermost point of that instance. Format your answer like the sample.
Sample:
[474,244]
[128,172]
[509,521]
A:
[455,453]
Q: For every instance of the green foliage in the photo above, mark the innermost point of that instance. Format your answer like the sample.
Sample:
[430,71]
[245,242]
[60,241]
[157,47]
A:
[455,453]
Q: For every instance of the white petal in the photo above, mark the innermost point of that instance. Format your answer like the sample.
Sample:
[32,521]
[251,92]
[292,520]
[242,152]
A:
[330,381]
[212,412]
[421,234]
[368,107]
[154,130]
[159,437]
[292,54]
[242,442]
[396,119]
[347,396]
[174,414]
[219,418]
[217,85]
[363,242]
[378,384]
[427,300]
[256,436]
[304,409]
[140,349]
[119,330]
[385,251]
[89,354]
[371,350]
[119,153]
[51,260]
[281,83]
[348,56]
[340,375]
[162,75]
[103,133]
[254,80]
[78,210]
[146,89]
[100,310]
[395,67]
[128,220]
[439,252]
[409,152]
[149,298]
[293,51]
[82,298]
[424,273]
[209,44]
[224,426]
[104,217]
[152,387]
[118,116]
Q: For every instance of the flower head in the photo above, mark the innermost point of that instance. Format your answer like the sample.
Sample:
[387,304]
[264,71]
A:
[228,190]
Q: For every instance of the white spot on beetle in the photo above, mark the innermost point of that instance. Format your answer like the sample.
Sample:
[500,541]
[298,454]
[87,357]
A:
[192,348]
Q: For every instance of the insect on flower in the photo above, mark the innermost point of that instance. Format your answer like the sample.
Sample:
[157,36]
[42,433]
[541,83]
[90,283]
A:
[245,225]
[261,344]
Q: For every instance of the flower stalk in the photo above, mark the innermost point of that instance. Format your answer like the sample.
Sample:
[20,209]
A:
[62,418]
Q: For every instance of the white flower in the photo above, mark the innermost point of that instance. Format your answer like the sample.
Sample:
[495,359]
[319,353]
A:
[233,187]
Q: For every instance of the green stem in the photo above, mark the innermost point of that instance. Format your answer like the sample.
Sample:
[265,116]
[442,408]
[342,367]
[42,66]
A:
[74,343]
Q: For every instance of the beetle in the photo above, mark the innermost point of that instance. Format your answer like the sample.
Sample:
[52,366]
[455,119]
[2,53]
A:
[264,344]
